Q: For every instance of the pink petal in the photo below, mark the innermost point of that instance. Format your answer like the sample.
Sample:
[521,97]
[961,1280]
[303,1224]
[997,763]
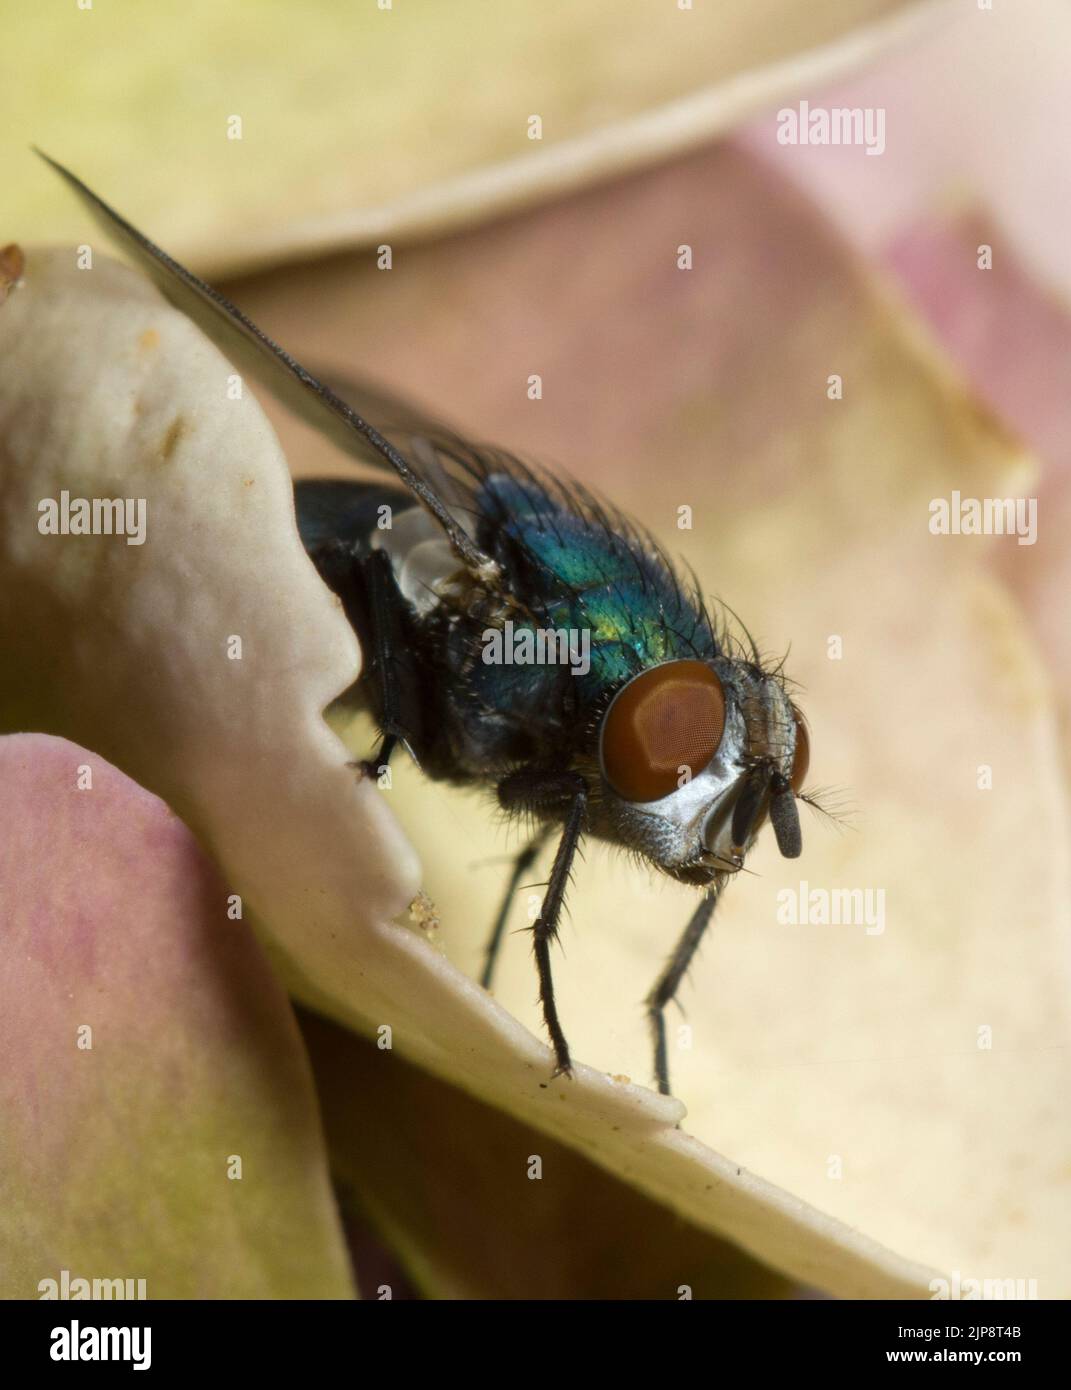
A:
[114,1158]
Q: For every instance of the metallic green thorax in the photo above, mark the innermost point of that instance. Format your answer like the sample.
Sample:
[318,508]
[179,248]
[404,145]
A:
[578,566]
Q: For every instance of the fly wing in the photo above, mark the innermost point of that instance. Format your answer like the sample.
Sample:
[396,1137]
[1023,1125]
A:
[250,348]
[453,468]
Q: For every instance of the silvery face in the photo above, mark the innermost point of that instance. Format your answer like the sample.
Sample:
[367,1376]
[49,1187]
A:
[689,833]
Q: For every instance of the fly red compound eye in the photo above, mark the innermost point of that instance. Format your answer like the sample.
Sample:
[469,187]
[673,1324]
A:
[665,725]
[801,759]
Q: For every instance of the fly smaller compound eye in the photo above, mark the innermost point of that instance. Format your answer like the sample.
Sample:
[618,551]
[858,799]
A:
[665,725]
[801,760]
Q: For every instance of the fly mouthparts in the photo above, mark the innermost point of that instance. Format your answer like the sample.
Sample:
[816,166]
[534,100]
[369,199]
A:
[785,819]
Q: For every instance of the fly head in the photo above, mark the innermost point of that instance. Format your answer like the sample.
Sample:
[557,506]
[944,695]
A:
[695,756]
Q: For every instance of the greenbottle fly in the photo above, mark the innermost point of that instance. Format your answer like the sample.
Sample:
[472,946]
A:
[648,726]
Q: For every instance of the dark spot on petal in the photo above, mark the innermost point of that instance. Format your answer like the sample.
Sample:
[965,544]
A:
[174,433]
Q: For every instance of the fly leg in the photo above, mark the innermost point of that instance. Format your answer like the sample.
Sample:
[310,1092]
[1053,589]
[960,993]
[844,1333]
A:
[364,580]
[544,793]
[385,622]
[521,864]
[669,981]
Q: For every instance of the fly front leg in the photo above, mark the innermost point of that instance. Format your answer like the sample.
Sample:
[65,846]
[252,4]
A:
[551,793]
[392,671]
[669,981]
[365,582]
